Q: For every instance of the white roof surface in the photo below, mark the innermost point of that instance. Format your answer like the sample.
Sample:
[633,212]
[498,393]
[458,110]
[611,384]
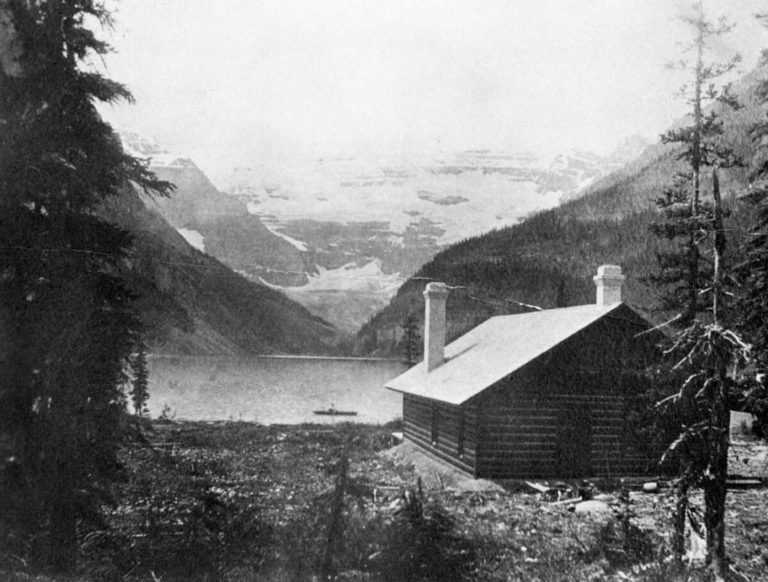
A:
[495,349]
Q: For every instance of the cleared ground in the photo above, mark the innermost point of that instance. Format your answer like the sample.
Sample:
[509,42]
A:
[238,501]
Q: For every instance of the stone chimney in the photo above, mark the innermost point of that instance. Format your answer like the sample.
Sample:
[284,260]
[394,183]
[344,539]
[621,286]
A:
[609,281]
[435,296]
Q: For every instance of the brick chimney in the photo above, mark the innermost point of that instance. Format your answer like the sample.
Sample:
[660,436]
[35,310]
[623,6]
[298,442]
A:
[609,281]
[435,296]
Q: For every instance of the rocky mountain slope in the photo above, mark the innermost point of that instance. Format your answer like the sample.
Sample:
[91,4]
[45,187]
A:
[193,304]
[215,223]
[341,235]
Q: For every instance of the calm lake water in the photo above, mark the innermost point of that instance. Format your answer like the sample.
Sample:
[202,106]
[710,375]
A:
[273,390]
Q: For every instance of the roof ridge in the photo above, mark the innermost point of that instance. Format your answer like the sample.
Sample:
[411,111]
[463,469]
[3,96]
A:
[595,306]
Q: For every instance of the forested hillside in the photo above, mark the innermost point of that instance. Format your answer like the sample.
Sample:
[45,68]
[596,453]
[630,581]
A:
[549,259]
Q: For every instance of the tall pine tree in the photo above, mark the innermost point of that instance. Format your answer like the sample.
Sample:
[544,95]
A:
[704,352]
[140,384]
[411,344]
[66,310]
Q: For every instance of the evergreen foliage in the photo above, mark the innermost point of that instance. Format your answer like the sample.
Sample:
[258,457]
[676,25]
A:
[681,272]
[66,306]
[686,218]
[140,384]
[411,341]
[423,543]
[706,357]
[753,302]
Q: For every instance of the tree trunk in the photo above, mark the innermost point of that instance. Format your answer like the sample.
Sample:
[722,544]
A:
[681,509]
[720,242]
[691,308]
[714,519]
[63,536]
[696,161]
[336,525]
[715,489]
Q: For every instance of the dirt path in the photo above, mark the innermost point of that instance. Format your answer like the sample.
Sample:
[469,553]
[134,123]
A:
[435,474]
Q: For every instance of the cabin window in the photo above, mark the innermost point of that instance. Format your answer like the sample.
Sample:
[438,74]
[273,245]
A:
[461,433]
[435,424]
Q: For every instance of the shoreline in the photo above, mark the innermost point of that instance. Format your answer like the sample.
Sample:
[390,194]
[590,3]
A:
[274,357]
[395,423]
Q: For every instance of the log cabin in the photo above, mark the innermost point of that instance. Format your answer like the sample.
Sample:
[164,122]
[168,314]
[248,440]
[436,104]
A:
[539,394]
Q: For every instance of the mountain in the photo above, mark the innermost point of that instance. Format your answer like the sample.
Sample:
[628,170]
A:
[443,200]
[215,223]
[548,259]
[193,304]
[364,226]
[340,235]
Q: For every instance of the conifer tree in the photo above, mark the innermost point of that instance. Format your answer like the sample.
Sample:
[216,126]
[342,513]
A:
[753,271]
[411,345]
[705,352]
[140,386]
[686,217]
[65,304]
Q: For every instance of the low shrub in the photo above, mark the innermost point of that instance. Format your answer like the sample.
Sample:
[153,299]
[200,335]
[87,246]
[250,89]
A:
[421,543]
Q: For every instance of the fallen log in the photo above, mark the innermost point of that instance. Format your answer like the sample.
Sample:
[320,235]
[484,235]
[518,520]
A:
[744,483]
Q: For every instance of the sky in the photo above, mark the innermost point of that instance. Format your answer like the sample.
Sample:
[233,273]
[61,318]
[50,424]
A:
[283,82]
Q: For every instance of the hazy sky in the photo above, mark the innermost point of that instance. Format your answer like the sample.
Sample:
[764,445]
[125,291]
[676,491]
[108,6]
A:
[236,82]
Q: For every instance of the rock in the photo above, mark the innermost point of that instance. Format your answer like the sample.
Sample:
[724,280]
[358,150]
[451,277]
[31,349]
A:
[353,576]
[396,504]
[592,507]
[696,552]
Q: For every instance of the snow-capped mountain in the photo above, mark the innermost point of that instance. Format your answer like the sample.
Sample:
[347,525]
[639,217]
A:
[340,235]
[218,224]
[461,194]
[142,147]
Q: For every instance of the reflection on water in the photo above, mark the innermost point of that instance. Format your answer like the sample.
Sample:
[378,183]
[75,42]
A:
[270,390]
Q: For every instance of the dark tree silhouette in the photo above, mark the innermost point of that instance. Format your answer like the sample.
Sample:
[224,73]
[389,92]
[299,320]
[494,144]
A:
[65,307]
[411,342]
[140,384]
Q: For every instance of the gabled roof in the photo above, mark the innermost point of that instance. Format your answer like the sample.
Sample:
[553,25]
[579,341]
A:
[495,349]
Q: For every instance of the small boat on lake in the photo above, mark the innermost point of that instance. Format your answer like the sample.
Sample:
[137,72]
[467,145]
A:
[332,411]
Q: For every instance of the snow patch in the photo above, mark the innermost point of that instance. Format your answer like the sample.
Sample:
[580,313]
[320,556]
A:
[296,243]
[142,147]
[193,237]
[351,277]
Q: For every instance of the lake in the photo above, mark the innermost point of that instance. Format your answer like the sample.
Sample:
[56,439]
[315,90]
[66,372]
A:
[273,389]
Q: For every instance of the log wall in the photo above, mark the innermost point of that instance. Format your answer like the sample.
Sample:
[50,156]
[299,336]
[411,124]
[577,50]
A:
[521,436]
[522,417]
[418,415]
